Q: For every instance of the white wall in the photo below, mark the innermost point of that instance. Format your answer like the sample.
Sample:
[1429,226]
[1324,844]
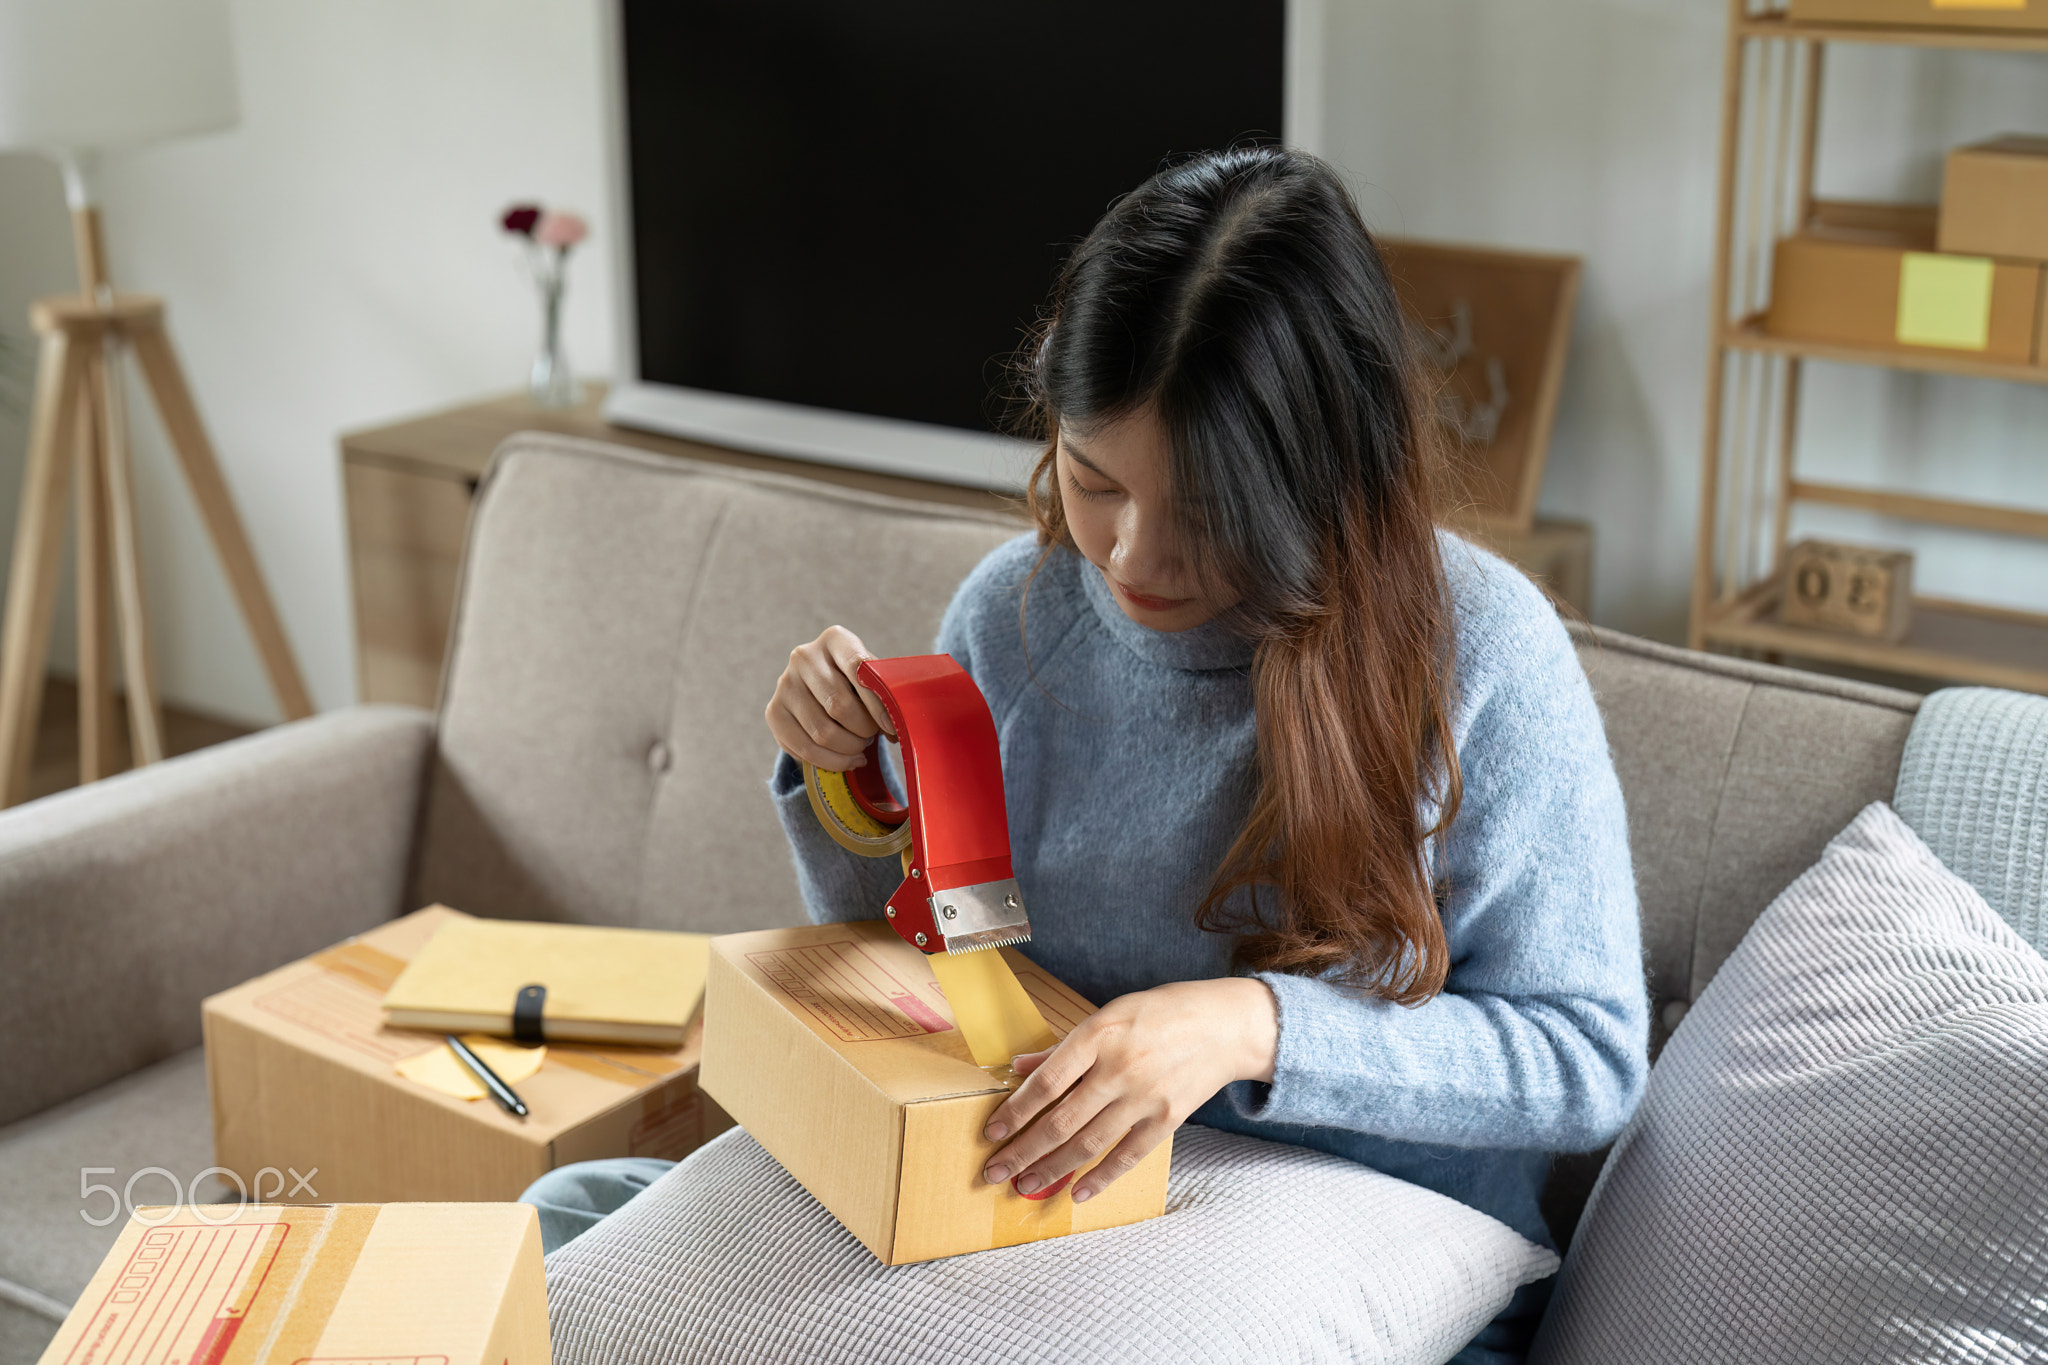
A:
[333,262]
[1591,126]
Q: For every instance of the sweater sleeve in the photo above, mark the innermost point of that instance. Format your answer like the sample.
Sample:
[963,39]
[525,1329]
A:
[1539,1038]
[840,885]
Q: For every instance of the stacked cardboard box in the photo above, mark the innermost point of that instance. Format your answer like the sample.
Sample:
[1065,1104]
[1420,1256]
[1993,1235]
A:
[1870,276]
[303,1079]
[457,1284]
[835,1048]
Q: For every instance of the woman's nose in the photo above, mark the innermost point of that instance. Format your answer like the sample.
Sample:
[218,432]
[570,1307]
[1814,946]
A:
[1145,556]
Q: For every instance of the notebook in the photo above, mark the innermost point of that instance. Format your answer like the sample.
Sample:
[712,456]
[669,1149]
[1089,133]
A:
[637,986]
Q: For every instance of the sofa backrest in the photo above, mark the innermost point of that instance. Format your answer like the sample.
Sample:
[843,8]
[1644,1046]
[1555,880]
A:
[623,617]
[1736,775]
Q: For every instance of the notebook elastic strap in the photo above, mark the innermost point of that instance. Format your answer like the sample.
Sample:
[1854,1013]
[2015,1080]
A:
[526,1014]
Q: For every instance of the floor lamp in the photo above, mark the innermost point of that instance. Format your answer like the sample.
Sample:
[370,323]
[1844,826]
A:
[78,77]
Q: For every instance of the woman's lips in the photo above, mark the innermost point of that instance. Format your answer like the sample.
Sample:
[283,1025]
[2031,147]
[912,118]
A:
[1145,602]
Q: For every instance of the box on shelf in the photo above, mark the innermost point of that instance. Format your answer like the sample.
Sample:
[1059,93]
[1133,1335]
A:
[1867,275]
[1994,199]
[2016,14]
[833,1046]
[458,1284]
[301,1071]
[1848,588]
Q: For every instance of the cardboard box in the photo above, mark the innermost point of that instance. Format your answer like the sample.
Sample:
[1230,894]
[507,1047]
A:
[2018,14]
[1867,275]
[300,1067]
[1994,199]
[1848,588]
[400,1284]
[833,1046]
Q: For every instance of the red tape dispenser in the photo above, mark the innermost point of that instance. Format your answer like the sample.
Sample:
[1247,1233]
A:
[959,893]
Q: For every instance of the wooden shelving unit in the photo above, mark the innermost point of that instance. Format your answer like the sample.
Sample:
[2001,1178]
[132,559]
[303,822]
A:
[1769,139]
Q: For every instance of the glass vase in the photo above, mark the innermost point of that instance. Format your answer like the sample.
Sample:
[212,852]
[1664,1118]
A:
[552,384]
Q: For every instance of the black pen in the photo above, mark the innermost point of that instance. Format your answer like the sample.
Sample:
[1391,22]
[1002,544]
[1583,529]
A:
[501,1092]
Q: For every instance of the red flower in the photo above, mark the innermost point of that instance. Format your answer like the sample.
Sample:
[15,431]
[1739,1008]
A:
[520,218]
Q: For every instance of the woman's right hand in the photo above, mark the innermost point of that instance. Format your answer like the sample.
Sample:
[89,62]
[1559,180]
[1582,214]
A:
[819,714]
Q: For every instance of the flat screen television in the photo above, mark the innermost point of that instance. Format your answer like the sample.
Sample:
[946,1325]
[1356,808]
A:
[836,221]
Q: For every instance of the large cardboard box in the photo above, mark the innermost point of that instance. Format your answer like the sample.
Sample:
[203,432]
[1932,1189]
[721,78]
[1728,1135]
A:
[1867,275]
[251,1284]
[300,1067]
[1925,13]
[834,1047]
[1994,199]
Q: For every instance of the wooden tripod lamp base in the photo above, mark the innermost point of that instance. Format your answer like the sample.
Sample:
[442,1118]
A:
[78,453]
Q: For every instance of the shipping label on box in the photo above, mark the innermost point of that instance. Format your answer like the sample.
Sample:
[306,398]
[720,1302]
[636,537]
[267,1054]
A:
[834,1047]
[252,1284]
[302,1073]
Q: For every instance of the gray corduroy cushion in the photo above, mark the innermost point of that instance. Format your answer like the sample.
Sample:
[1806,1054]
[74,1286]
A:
[1843,1152]
[1973,783]
[1265,1253]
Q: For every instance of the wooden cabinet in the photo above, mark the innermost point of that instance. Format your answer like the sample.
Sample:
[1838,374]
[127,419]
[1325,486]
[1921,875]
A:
[408,487]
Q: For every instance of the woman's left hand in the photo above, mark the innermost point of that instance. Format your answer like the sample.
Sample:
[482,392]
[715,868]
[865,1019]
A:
[1132,1070]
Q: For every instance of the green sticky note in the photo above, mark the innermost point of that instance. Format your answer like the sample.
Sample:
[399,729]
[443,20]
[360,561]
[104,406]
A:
[1945,301]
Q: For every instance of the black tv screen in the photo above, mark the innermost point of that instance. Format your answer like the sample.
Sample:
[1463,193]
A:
[863,206]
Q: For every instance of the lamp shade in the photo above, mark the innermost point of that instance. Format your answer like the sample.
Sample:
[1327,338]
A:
[88,75]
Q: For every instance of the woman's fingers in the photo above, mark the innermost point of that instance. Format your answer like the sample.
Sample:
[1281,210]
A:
[1051,1075]
[847,654]
[1135,1147]
[818,713]
[1025,1063]
[1092,1129]
[806,732]
[1059,1124]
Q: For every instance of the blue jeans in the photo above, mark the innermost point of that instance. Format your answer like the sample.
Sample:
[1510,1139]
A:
[573,1199]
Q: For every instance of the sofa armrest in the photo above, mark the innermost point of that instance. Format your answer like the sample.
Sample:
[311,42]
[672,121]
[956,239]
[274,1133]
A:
[125,903]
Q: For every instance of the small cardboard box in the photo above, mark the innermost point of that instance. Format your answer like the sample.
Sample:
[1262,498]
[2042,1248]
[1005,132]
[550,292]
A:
[252,1284]
[2022,14]
[300,1066]
[1867,275]
[1848,588]
[1994,199]
[834,1047]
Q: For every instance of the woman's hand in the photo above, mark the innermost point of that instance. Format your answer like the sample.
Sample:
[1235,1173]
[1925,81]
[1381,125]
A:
[1132,1070]
[819,714]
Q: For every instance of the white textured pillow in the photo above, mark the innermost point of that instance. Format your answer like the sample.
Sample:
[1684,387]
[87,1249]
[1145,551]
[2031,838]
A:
[1843,1152]
[1265,1253]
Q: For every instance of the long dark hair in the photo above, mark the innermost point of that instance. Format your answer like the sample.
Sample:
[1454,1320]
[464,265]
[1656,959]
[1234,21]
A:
[1238,296]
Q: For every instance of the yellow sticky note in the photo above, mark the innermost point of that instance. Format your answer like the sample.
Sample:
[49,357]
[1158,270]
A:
[1945,301]
[994,1013]
[1980,4]
[440,1069]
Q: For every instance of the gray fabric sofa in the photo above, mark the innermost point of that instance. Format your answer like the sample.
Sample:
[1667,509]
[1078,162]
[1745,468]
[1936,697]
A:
[599,756]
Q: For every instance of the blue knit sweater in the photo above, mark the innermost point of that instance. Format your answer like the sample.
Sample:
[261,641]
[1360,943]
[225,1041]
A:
[1127,766]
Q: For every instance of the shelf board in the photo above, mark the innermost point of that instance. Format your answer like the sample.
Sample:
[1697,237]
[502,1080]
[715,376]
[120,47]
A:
[1906,35]
[1749,335]
[1950,641]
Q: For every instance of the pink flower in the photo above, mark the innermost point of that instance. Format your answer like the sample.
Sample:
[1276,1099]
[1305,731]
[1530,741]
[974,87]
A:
[520,218]
[560,229]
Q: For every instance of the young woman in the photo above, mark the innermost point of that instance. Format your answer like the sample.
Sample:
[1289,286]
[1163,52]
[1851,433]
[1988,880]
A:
[1311,796]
